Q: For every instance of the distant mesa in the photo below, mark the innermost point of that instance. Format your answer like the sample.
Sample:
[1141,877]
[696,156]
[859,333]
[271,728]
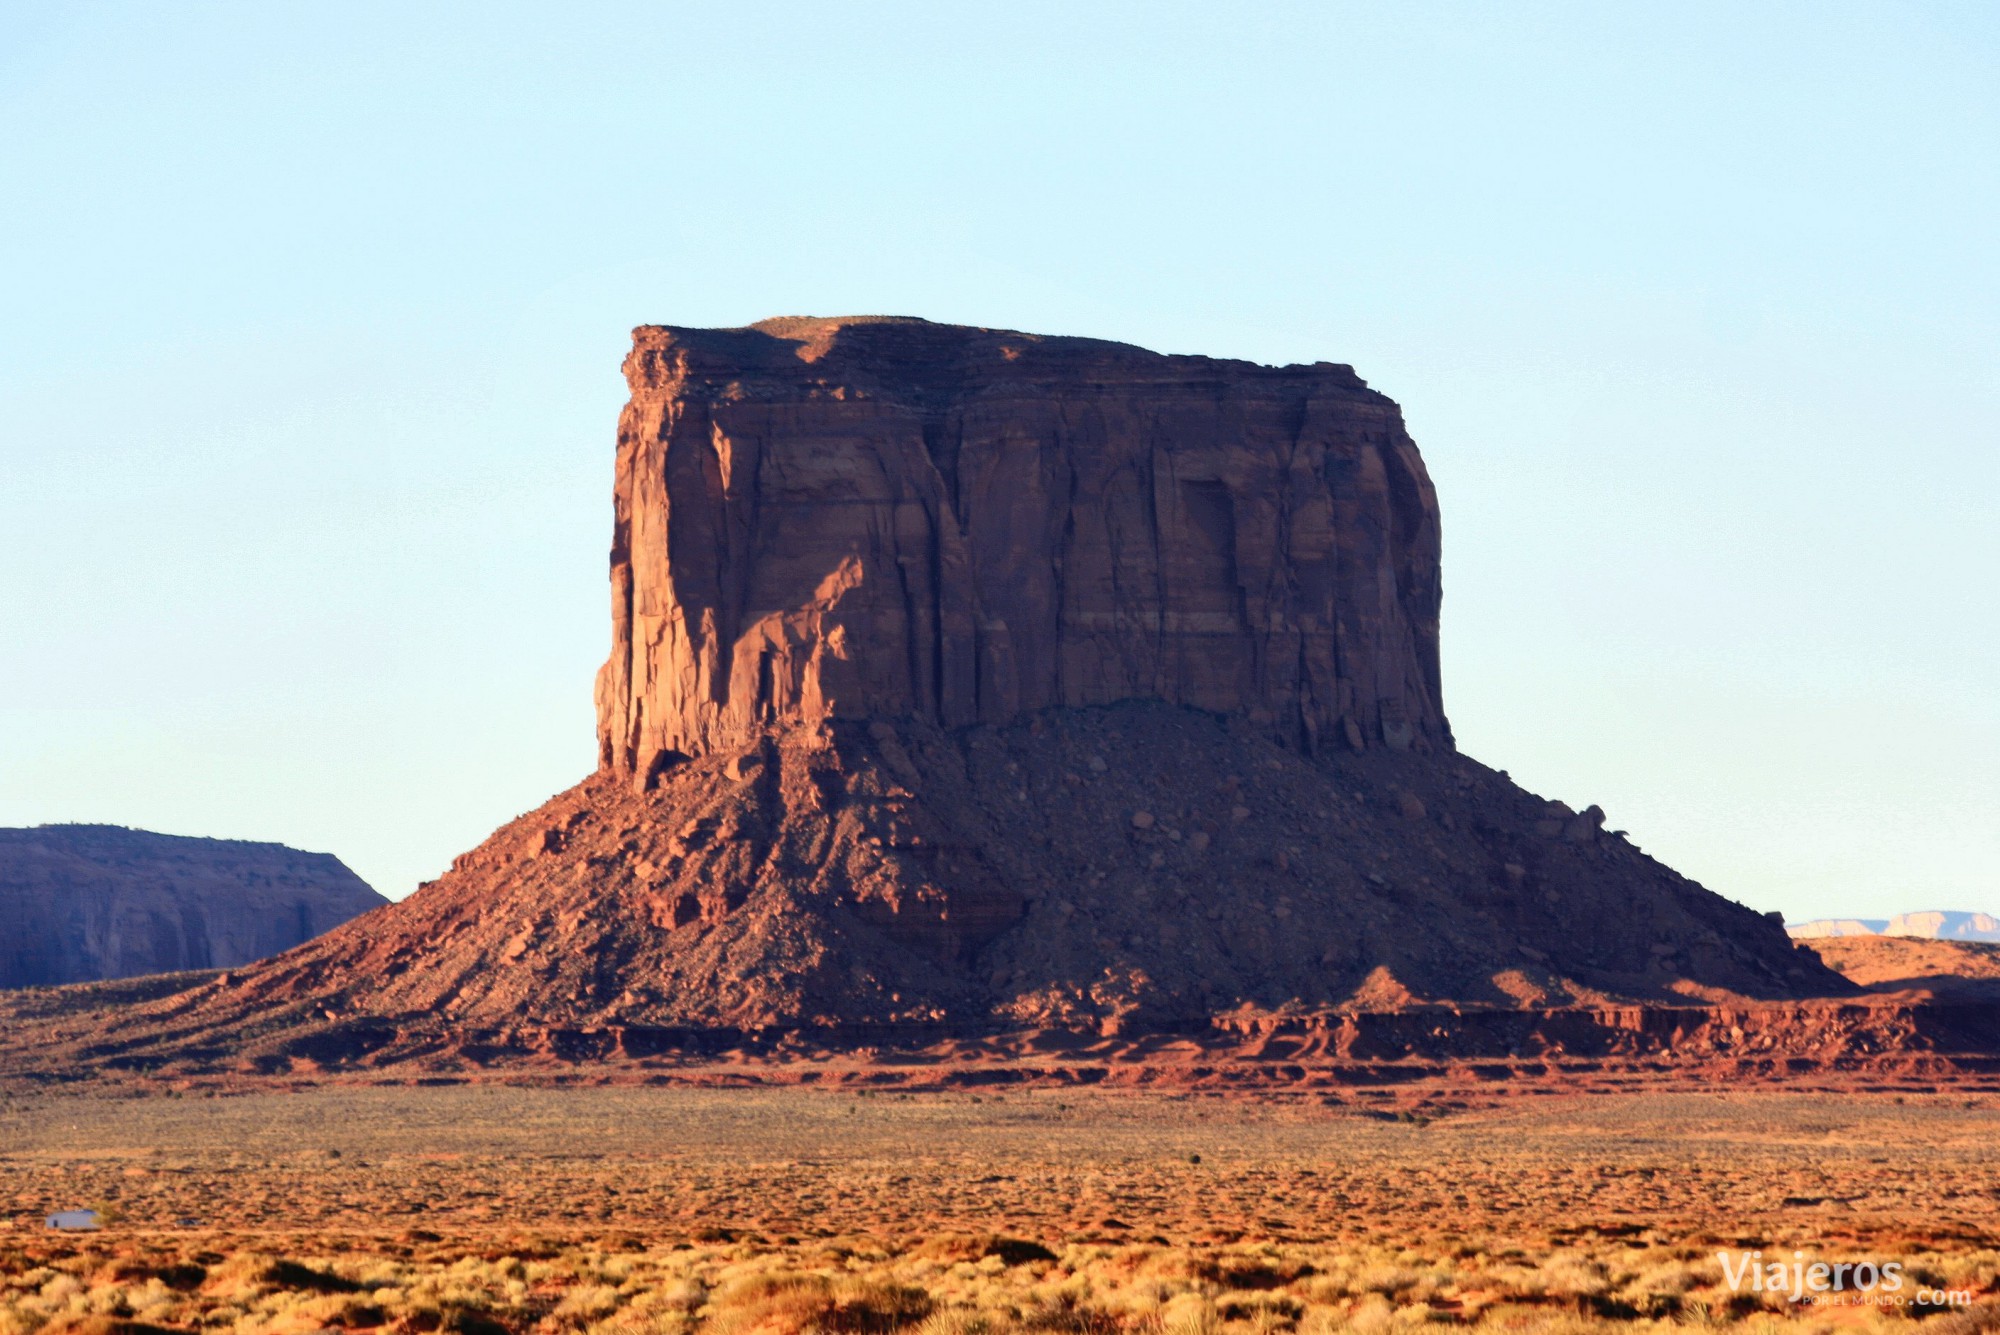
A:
[974,686]
[1933,924]
[82,903]
[1821,928]
[1945,925]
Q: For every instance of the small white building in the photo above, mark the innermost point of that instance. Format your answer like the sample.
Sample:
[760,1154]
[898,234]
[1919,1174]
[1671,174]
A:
[76,1221]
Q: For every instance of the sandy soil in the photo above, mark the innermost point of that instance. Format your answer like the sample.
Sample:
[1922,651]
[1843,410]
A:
[490,1210]
[1045,1164]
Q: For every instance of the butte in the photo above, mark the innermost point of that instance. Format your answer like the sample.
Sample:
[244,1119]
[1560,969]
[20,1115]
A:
[978,687]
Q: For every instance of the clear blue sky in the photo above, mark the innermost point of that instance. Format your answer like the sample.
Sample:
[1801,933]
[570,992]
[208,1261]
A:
[313,315]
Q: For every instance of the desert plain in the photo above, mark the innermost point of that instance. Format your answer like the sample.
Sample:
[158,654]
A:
[602,1210]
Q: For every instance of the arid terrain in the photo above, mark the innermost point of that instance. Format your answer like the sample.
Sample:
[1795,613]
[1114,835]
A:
[487,1208]
[1964,970]
[1029,884]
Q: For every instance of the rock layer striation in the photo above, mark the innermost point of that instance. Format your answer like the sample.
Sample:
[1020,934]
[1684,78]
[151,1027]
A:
[881,518]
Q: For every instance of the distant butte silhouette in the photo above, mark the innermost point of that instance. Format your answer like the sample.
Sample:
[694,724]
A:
[81,903]
[969,683]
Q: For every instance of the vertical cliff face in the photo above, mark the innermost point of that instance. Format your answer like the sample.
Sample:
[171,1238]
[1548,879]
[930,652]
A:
[85,902]
[883,518]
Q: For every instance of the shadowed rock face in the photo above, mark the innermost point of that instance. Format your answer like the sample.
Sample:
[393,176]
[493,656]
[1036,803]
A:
[889,518]
[80,903]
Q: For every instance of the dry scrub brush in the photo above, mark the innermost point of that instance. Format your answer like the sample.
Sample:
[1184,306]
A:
[941,1285]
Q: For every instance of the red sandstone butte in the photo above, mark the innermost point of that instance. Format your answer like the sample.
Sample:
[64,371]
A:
[982,693]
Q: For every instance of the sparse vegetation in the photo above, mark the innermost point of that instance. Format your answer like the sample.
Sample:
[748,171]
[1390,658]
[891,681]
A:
[580,1212]
[879,1287]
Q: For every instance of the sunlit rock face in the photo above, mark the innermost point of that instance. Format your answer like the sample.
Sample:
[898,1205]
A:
[880,518]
